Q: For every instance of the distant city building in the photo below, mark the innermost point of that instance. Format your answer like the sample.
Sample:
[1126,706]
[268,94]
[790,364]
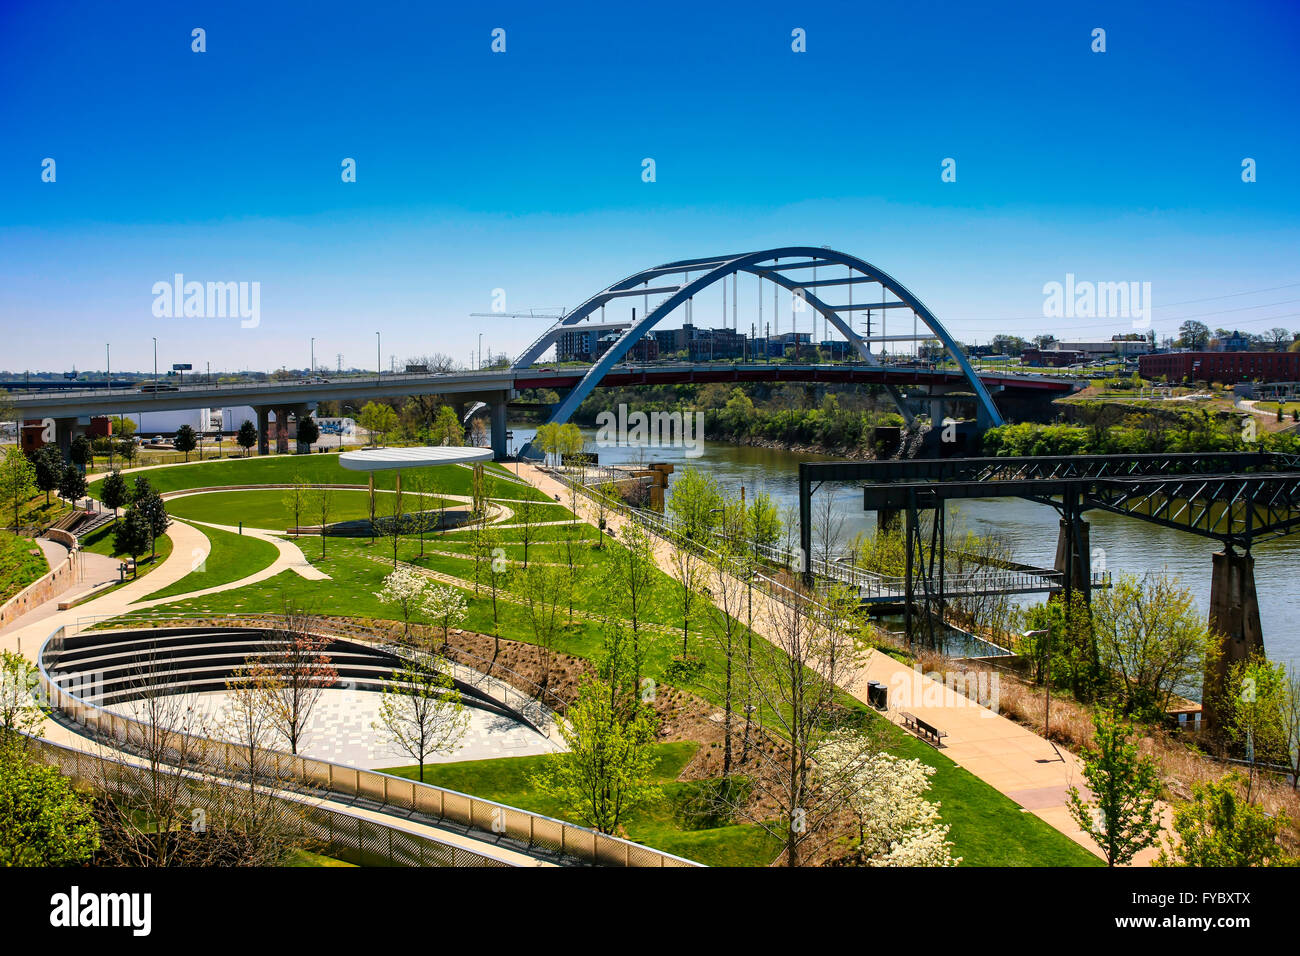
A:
[1236,342]
[1227,367]
[1052,358]
[700,345]
[581,343]
[645,350]
[1121,347]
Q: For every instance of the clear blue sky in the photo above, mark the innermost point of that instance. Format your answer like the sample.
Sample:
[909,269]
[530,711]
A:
[523,170]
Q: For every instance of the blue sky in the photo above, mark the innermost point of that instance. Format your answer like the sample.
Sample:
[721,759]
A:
[522,170]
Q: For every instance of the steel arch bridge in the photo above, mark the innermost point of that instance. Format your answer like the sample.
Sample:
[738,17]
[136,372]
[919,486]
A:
[787,268]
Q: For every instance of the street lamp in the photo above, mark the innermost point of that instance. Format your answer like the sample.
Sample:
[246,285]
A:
[155,366]
[312,370]
[1047,710]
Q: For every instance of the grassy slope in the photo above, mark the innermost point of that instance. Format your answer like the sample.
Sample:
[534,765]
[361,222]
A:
[507,780]
[321,469]
[267,509]
[18,566]
[232,557]
[987,828]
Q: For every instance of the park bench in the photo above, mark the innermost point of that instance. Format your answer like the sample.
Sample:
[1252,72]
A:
[926,731]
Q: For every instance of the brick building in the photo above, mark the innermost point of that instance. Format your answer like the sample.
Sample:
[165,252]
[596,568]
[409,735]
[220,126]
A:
[1227,367]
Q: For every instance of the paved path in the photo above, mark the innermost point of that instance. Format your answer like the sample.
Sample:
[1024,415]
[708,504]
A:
[1004,754]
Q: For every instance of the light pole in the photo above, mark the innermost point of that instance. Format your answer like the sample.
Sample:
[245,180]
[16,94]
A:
[155,366]
[1047,677]
[379,362]
[312,370]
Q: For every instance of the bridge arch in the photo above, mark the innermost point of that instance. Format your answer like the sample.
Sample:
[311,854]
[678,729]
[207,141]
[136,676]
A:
[766,264]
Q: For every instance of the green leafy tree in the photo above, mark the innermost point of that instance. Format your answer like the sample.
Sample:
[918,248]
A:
[421,714]
[44,821]
[149,505]
[113,491]
[1254,711]
[48,464]
[22,707]
[186,440]
[1120,813]
[82,452]
[378,419]
[72,485]
[608,769]
[1219,826]
[308,431]
[17,481]
[447,428]
[695,502]
[1152,638]
[128,448]
[246,437]
[131,535]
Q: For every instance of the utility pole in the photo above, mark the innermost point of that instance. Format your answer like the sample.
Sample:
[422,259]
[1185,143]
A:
[312,371]
[379,361]
[155,366]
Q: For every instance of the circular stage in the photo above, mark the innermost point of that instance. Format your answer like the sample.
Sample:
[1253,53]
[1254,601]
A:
[389,459]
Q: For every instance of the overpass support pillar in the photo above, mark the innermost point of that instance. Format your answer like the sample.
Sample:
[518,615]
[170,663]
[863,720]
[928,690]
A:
[281,429]
[499,426]
[936,412]
[63,428]
[263,429]
[1234,617]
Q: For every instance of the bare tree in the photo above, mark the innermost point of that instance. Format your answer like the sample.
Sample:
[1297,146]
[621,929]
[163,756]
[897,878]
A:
[725,618]
[303,670]
[811,649]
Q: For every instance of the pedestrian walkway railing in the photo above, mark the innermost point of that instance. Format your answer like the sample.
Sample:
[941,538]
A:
[532,831]
[348,837]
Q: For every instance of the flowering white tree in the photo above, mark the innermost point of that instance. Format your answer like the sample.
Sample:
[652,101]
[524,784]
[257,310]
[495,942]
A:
[447,606]
[897,826]
[406,590]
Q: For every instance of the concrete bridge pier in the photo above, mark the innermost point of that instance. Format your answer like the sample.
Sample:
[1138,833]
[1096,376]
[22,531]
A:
[281,429]
[1234,616]
[263,429]
[498,406]
[63,429]
[1073,557]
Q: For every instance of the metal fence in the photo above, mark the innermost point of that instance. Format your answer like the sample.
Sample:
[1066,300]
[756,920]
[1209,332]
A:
[345,836]
[531,830]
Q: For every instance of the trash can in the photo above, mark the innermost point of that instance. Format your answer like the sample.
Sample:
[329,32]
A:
[877,695]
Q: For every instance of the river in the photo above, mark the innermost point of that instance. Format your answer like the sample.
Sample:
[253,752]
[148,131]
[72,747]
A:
[1130,545]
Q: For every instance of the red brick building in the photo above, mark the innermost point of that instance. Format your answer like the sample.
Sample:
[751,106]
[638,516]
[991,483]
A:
[1227,367]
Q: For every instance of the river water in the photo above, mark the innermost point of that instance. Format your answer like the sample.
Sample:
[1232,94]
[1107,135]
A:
[1130,545]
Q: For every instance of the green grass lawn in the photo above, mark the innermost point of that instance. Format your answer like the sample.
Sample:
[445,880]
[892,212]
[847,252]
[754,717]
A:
[101,542]
[267,509]
[988,829]
[305,858]
[19,567]
[233,556]
[320,469]
[659,823]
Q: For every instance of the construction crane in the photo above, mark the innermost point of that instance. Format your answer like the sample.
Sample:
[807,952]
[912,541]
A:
[530,314]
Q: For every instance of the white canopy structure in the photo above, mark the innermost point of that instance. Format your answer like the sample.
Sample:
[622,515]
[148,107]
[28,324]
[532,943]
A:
[389,459]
